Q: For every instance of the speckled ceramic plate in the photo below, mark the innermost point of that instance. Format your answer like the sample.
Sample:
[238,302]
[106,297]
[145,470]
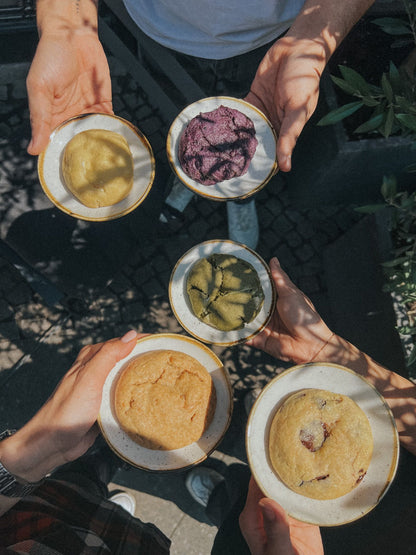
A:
[383,466]
[182,308]
[52,181]
[176,459]
[262,167]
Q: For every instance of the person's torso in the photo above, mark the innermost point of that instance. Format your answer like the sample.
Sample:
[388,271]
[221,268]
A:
[215,29]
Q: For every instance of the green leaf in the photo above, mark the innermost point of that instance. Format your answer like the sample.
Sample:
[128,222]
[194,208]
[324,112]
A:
[371,125]
[412,357]
[394,76]
[393,25]
[387,88]
[405,104]
[411,168]
[340,113]
[408,120]
[355,79]
[370,101]
[388,124]
[342,84]
[389,186]
[369,208]
[395,262]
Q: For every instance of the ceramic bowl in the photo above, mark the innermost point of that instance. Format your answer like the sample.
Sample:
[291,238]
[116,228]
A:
[383,465]
[175,459]
[52,181]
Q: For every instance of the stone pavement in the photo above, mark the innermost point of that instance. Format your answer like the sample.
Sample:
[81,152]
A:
[114,276]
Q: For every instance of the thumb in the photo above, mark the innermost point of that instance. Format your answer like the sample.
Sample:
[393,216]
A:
[276,527]
[40,108]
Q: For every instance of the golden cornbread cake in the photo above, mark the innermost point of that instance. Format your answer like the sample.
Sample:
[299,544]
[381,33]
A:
[320,443]
[165,399]
[224,291]
[97,167]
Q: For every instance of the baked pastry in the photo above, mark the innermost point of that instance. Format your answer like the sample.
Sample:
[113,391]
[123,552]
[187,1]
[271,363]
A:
[97,167]
[320,443]
[164,399]
[217,145]
[224,291]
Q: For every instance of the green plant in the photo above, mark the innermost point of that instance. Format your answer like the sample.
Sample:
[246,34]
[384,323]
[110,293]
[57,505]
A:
[400,269]
[391,104]
[391,110]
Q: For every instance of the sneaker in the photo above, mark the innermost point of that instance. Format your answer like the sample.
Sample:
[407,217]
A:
[124,499]
[243,225]
[179,196]
[200,483]
[250,398]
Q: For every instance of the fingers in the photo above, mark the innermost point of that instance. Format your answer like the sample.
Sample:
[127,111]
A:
[102,357]
[284,285]
[250,523]
[276,527]
[40,120]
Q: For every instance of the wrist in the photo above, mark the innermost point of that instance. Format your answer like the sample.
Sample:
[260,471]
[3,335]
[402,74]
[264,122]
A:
[66,20]
[21,458]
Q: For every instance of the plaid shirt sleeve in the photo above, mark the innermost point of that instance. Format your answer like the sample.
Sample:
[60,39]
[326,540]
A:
[61,519]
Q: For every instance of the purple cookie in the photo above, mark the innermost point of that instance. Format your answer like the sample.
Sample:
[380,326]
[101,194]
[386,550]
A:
[217,145]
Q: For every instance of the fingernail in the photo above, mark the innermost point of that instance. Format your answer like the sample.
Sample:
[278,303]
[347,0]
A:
[129,336]
[268,513]
[274,263]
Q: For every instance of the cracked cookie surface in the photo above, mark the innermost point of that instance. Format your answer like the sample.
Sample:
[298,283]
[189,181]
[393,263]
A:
[217,145]
[97,167]
[164,399]
[224,291]
[320,443]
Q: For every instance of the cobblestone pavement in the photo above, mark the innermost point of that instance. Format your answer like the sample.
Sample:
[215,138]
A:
[120,271]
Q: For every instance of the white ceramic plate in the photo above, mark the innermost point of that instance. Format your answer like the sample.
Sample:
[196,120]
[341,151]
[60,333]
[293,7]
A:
[262,167]
[53,184]
[176,459]
[381,471]
[182,308]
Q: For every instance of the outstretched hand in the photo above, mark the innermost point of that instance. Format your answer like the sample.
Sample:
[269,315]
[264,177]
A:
[286,89]
[65,427]
[67,77]
[269,531]
[295,332]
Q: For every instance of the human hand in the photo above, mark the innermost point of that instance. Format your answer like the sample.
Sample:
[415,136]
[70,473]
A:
[286,89]
[295,332]
[269,531]
[68,76]
[65,426]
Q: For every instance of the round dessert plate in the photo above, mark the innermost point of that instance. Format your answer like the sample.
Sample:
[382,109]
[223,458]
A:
[181,305]
[262,166]
[50,162]
[175,459]
[363,498]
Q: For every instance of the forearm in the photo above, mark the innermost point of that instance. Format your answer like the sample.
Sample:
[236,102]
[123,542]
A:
[399,393]
[66,17]
[327,22]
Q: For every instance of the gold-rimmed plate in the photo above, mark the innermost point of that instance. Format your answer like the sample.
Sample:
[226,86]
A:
[262,166]
[181,306]
[380,474]
[175,459]
[52,181]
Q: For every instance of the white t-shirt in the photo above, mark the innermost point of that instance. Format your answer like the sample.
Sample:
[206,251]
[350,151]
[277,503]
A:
[215,29]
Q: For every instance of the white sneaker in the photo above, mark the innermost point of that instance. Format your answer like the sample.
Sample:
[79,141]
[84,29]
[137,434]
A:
[200,482]
[180,196]
[243,225]
[125,500]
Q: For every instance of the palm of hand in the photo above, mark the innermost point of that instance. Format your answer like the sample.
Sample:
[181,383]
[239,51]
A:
[286,88]
[66,79]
